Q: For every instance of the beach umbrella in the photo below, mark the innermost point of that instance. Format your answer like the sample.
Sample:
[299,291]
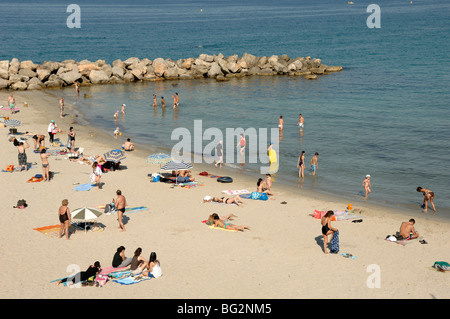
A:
[85,213]
[159,158]
[176,166]
[114,156]
[12,123]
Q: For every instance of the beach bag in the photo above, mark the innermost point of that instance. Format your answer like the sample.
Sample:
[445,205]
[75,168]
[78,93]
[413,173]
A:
[10,168]
[263,196]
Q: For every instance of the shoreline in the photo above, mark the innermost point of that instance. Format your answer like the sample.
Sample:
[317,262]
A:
[286,236]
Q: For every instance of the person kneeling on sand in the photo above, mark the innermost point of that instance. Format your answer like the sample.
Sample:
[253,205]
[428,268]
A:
[407,230]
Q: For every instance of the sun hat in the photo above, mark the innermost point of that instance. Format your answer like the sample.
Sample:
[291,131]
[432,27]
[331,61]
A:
[367,175]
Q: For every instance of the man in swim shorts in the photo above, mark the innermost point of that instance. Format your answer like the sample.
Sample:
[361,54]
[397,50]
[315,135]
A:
[407,230]
[12,103]
[314,164]
[120,203]
[301,121]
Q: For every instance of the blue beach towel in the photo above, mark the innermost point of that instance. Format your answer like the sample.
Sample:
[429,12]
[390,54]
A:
[131,280]
[83,187]
[335,243]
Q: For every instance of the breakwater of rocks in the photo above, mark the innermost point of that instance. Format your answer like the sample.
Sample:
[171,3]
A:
[26,75]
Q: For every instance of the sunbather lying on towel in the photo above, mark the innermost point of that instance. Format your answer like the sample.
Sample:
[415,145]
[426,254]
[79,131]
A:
[83,275]
[232,200]
[211,217]
[227,225]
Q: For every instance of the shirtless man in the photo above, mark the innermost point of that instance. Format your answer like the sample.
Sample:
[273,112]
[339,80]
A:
[12,103]
[280,123]
[61,107]
[301,121]
[407,229]
[367,185]
[120,203]
[175,100]
[163,102]
[314,164]
[428,195]
[128,146]
[155,104]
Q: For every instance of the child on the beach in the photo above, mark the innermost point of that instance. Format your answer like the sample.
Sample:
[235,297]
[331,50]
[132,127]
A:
[367,185]
[117,132]
[314,164]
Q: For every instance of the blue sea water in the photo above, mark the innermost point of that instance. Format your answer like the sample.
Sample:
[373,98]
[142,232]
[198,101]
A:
[386,114]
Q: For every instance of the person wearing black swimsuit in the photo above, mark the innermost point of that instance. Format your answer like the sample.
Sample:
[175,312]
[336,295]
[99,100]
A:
[327,229]
[64,218]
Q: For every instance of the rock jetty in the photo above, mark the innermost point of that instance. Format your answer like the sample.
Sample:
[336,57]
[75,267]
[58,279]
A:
[26,75]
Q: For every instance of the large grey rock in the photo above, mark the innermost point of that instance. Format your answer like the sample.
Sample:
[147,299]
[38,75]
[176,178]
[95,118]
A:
[13,78]
[70,77]
[14,66]
[54,83]
[128,77]
[131,61]
[118,72]
[215,70]
[206,57]
[107,69]
[86,68]
[19,86]
[171,73]
[27,72]
[97,77]
[4,74]
[28,65]
[159,66]
[119,63]
[187,64]
[249,59]
[43,74]
[4,84]
[50,66]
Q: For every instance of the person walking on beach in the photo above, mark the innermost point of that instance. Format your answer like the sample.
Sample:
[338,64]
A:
[155,104]
[64,218]
[314,163]
[12,103]
[97,171]
[61,107]
[327,229]
[219,154]
[367,185]
[301,165]
[22,156]
[45,165]
[120,203]
[301,121]
[428,195]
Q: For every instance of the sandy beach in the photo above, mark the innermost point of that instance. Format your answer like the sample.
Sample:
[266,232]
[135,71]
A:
[280,257]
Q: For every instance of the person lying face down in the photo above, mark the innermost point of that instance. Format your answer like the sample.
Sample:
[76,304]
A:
[232,200]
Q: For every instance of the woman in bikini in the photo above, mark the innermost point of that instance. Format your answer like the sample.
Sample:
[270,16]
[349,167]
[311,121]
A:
[232,200]
[71,135]
[226,225]
[45,164]
[327,229]
[428,195]
[64,218]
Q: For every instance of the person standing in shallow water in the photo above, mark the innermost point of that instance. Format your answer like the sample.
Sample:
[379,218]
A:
[301,165]
[314,163]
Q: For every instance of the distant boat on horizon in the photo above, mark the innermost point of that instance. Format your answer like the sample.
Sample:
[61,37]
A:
[350,2]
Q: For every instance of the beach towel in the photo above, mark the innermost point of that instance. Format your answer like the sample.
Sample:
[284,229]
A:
[190,184]
[209,175]
[236,192]
[52,230]
[441,266]
[335,243]
[36,178]
[405,241]
[83,187]
[220,228]
[131,280]
[338,215]
[109,270]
